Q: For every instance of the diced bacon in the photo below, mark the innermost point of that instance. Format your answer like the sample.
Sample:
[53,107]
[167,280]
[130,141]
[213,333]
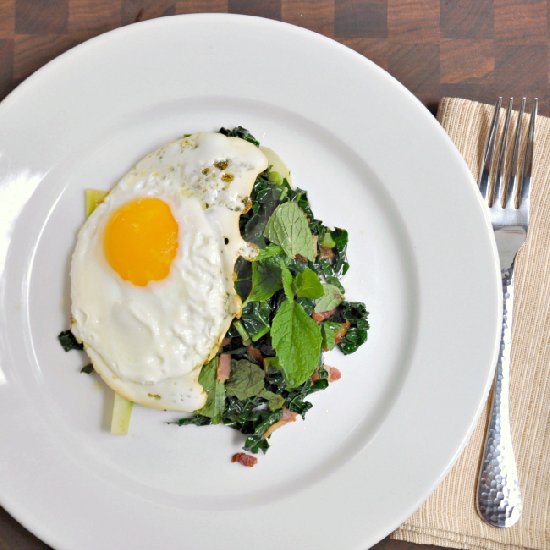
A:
[288,416]
[244,459]
[326,253]
[322,316]
[301,258]
[342,332]
[334,374]
[256,354]
[226,342]
[224,367]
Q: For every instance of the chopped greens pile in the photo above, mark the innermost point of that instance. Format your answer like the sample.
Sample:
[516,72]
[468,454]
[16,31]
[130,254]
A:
[294,307]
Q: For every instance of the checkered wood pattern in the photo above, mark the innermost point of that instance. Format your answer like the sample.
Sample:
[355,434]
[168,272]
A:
[471,48]
[476,49]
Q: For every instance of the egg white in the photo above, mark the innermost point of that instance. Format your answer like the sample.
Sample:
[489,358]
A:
[149,343]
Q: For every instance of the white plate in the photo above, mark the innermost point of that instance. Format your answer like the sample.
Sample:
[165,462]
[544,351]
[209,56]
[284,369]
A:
[422,258]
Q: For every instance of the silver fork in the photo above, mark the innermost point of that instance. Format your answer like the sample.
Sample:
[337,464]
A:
[498,492]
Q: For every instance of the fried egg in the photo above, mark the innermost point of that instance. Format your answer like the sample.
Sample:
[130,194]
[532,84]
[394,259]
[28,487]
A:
[152,273]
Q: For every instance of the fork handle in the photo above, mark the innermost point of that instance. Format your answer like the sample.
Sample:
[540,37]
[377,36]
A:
[498,492]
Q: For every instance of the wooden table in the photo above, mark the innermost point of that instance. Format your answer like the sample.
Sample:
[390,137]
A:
[477,49]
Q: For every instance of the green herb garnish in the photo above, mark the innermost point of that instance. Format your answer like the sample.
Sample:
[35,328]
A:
[329,300]
[288,227]
[296,338]
[246,380]
[215,391]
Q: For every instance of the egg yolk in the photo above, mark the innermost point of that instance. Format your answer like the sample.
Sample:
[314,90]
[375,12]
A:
[141,240]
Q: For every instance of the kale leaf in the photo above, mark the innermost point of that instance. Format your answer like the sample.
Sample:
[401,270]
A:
[255,319]
[252,417]
[295,400]
[195,420]
[340,263]
[356,313]
[265,198]
[68,341]
[243,281]
[240,132]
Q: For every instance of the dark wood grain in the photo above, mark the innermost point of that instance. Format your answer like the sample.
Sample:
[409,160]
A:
[269,8]
[520,22]
[414,21]
[467,18]
[38,17]
[361,18]
[417,67]
[6,66]
[316,15]
[141,10]
[469,48]
[93,15]
[202,6]
[7,18]
[467,61]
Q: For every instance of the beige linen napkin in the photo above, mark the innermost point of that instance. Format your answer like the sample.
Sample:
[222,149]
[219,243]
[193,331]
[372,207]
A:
[448,518]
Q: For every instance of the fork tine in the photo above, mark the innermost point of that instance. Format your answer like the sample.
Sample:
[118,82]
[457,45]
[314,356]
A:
[528,158]
[502,153]
[488,151]
[513,174]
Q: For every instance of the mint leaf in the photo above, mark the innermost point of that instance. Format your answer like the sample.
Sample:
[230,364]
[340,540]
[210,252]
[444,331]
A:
[215,391]
[308,284]
[274,400]
[296,338]
[286,276]
[289,228]
[269,251]
[329,331]
[266,279]
[331,298]
[246,380]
